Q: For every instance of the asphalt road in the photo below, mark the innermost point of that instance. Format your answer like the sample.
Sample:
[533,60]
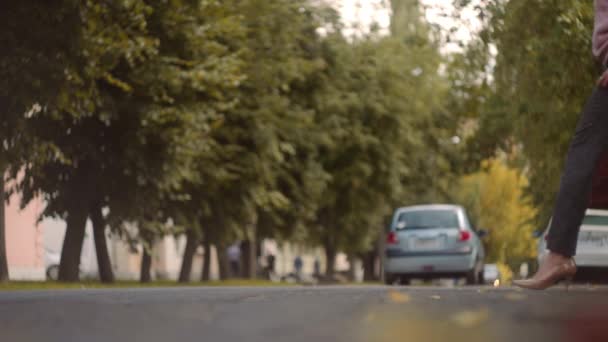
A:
[354,314]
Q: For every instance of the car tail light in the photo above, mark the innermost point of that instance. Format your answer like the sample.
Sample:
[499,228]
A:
[465,235]
[392,239]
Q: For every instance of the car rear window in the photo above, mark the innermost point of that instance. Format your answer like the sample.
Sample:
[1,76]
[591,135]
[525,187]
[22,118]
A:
[422,219]
[595,220]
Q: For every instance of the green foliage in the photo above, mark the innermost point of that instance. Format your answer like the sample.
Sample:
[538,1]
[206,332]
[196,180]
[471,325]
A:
[543,74]
[32,73]
[258,170]
[156,94]
[379,106]
[155,79]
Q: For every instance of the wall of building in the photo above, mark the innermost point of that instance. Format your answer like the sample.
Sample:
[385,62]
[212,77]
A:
[126,259]
[285,254]
[24,242]
[32,247]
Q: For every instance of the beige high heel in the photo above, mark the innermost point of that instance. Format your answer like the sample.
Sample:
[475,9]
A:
[565,271]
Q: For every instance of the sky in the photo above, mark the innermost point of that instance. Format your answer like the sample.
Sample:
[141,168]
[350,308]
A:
[366,12]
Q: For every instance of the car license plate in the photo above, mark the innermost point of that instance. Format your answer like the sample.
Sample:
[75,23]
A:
[428,243]
[592,242]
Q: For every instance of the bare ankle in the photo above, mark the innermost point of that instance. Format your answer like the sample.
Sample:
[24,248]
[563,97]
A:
[557,256]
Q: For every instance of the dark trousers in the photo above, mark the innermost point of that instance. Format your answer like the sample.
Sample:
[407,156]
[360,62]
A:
[587,146]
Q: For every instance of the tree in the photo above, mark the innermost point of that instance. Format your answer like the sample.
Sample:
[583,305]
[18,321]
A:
[206,266]
[252,179]
[192,243]
[41,41]
[543,73]
[494,198]
[155,93]
[104,265]
[375,99]
[192,77]
[58,171]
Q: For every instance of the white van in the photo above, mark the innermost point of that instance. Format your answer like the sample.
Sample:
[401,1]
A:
[54,233]
[592,245]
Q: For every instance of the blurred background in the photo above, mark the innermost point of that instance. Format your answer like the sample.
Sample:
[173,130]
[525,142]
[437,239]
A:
[270,139]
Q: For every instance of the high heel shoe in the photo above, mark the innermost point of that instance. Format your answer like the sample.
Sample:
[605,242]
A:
[564,271]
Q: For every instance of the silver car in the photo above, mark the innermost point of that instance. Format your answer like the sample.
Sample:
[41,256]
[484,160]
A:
[592,244]
[433,241]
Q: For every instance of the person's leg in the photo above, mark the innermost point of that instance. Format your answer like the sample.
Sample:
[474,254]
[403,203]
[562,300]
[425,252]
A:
[588,144]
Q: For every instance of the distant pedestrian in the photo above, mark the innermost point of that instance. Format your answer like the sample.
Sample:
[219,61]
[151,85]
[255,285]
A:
[234,257]
[297,265]
[317,267]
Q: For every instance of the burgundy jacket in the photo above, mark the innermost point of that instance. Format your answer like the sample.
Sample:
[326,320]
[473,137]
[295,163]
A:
[600,32]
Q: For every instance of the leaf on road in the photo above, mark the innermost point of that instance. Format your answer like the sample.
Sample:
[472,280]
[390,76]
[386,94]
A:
[471,319]
[370,317]
[515,296]
[398,297]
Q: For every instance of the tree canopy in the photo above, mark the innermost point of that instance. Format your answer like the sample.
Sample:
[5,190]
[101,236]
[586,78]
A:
[543,72]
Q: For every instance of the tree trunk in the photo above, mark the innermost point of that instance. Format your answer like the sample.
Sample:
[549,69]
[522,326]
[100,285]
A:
[351,267]
[247,256]
[381,255]
[146,265]
[69,266]
[222,261]
[258,247]
[191,244]
[330,259]
[369,265]
[106,274]
[3,258]
[250,260]
[205,273]
[249,253]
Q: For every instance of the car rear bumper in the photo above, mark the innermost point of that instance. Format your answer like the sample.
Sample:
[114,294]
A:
[584,260]
[444,262]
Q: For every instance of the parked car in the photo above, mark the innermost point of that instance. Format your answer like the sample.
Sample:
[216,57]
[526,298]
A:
[52,256]
[433,241]
[51,263]
[592,244]
[491,274]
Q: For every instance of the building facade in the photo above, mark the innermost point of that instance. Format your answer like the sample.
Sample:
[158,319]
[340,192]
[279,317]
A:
[24,241]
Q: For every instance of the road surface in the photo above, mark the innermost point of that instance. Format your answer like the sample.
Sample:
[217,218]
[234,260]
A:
[354,314]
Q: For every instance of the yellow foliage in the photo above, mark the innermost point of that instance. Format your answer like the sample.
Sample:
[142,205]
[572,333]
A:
[495,200]
[506,274]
